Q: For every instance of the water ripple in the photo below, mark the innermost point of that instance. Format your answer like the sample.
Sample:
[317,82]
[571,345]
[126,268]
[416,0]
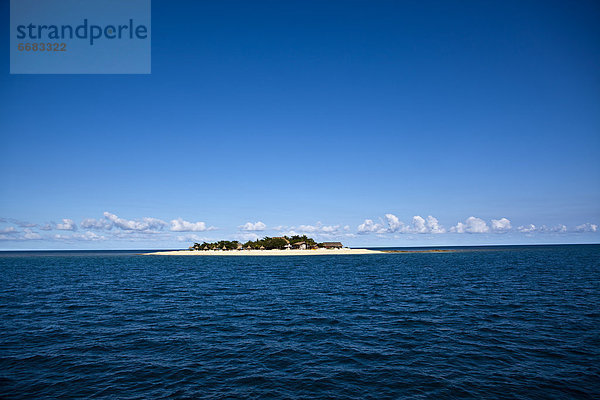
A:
[522,323]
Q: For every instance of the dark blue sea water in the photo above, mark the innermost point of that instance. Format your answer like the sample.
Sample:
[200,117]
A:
[520,323]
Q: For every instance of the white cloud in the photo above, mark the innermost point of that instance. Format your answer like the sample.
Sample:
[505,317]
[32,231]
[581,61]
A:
[9,230]
[555,229]
[31,235]
[327,228]
[85,236]
[98,224]
[245,236]
[23,224]
[88,236]
[368,226]
[422,225]
[471,225]
[434,226]
[192,238]
[318,228]
[392,224]
[46,227]
[67,225]
[11,234]
[418,225]
[180,225]
[587,227]
[289,232]
[531,228]
[134,236]
[527,228]
[18,222]
[146,224]
[250,227]
[501,225]
[308,228]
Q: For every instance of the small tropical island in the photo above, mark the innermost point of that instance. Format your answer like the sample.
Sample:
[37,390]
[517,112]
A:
[268,243]
[268,246]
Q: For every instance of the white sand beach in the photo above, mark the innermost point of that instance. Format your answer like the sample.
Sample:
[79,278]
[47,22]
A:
[318,252]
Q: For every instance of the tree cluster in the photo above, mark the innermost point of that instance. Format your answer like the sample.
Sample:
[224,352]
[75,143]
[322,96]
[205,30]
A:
[229,245]
[267,243]
[270,243]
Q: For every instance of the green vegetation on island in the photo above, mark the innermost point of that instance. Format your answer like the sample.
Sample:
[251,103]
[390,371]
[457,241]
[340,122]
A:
[267,243]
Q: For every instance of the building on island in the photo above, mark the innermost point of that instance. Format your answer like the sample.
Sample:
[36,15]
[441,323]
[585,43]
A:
[300,245]
[332,245]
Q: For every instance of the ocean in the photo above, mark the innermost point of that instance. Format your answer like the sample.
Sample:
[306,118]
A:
[520,322]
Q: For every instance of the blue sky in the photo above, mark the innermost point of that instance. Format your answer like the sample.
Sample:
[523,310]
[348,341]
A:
[343,120]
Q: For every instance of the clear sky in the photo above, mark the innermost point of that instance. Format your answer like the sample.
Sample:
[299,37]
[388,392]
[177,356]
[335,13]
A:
[345,120]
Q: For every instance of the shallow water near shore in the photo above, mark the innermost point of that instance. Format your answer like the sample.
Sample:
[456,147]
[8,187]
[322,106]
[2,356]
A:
[511,322]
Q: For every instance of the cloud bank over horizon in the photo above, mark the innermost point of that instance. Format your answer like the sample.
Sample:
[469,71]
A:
[112,227]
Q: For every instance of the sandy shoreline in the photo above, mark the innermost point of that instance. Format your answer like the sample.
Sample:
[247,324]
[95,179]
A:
[319,252]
